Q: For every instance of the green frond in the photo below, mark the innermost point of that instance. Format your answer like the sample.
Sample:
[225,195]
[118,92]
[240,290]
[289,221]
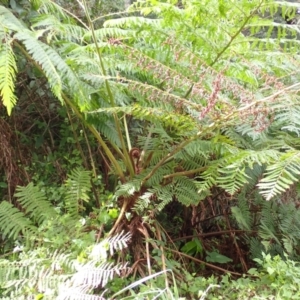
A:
[186,191]
[51,27]
[8,70]
[35,202]
[54,67]
[157,178]
[106,127]
[131,22]
[233,175]
[288,118]
[267,227]
[109,33]
[241,213]
[179,122]
[78,188]
[280,175]
[13,222]
[143,203]
[256,247]
[165,195]
[128,189]
[207,180]
[49,7]
[46,57]
[8,20]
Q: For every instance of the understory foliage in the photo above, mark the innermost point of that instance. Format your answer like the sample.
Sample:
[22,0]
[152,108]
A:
[48,241]
[192,107]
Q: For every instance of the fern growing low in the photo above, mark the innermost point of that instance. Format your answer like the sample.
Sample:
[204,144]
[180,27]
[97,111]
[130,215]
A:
[37,211]
[270,227]
[44,274]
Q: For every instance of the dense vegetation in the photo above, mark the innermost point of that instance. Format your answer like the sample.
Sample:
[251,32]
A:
[149,153]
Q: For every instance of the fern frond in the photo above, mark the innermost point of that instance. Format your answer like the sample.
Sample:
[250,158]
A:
[35,202]
[165,195]
[143,202]
[108,33]
[281,175]
[46,57]
[185,191]
[54,67]
[49,7]
[128,189]
[179,122]
[78,187]
[34,274]
[132,22]
[9,21]
[268,225]
[95,276]
[51,26]
[256,247]
[118,242]
[242,213]
[233,175]
[13,222]
[78,293]
[8,69]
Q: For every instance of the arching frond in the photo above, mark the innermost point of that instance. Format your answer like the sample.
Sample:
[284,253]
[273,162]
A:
[233,175]
[8,69]
[280,175]
[52,27]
